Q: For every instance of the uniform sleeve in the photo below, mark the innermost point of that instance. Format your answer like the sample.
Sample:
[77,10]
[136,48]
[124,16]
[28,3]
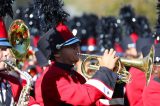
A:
[102,84]
[151,93]
[104,80]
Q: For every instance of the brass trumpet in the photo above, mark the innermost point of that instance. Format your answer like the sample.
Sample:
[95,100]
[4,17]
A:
[145,65]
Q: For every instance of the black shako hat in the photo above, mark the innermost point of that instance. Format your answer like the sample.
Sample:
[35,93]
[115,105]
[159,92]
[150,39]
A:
[55,39]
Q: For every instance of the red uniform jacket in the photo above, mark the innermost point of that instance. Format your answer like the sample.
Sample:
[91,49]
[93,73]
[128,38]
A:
[16,87]
[134,89]
[151,94]
[62,86]
[15,84]
[141,95]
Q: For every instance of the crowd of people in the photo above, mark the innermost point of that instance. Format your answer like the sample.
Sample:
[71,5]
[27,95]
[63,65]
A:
[53,58]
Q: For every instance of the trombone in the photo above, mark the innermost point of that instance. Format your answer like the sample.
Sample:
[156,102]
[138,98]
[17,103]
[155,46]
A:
[90,64]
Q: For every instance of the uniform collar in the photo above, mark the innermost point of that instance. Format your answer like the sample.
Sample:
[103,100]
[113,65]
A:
[64,66]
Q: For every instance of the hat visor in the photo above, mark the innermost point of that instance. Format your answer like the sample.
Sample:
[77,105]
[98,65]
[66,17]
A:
[5,44]
[71,41]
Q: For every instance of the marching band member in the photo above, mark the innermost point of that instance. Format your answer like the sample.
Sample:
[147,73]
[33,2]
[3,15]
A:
[151,92]
[138,77]
[10,82]
[61,85]
[10,86]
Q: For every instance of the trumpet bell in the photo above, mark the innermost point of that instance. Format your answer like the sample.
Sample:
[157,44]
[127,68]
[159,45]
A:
[148,64]
[19,37]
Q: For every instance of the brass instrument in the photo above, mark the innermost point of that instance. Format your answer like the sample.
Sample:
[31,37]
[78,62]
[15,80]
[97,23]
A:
[25,93]
[19,38]
[145,65]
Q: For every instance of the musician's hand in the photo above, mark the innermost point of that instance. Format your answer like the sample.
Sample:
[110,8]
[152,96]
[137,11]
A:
[109,59]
